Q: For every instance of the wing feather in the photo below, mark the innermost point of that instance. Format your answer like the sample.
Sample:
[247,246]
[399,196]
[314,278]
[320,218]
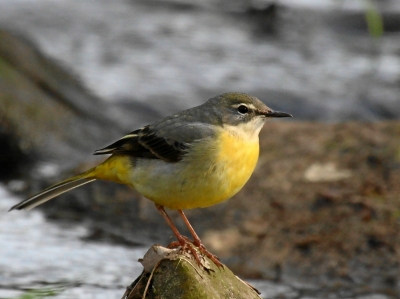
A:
[145,143]
[168,140]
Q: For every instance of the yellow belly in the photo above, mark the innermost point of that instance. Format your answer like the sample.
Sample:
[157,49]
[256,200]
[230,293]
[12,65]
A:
[209,174]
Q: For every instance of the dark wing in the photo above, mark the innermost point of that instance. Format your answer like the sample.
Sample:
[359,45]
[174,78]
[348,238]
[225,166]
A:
[168,140]
[129,144]
[145,143]
[164,148]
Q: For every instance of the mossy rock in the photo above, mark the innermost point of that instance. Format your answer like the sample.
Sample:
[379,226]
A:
[176,275]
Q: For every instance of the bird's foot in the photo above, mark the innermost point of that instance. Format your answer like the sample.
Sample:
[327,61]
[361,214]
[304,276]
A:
[211,256]
[189,246]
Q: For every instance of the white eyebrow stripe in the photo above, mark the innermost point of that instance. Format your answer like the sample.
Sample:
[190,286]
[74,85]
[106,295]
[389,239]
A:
[251,106]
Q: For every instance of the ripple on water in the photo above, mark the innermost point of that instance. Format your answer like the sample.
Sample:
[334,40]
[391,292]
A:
[36,253]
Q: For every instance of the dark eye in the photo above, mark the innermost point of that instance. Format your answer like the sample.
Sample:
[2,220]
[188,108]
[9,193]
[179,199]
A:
[242,109]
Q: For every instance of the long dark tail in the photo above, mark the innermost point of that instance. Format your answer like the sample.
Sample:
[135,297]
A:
[53,191]
[116,168]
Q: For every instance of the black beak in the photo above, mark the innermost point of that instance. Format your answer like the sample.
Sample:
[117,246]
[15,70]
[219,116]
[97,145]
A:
[272,113]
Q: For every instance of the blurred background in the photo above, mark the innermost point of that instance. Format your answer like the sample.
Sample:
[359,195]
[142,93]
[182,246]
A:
[320,216]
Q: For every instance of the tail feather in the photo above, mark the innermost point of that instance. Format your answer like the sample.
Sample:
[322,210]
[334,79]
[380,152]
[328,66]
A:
[52,192]
[116,168]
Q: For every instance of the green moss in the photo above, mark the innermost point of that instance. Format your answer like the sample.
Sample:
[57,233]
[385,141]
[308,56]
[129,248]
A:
[39,293]
[184,279]
[6,70]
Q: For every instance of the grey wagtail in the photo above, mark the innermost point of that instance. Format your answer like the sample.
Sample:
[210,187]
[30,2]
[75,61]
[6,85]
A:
[192,159]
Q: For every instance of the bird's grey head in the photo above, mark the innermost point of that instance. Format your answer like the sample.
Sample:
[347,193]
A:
[234,108]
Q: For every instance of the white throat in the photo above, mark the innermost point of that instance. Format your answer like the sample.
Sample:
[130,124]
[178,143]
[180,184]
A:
[247,131]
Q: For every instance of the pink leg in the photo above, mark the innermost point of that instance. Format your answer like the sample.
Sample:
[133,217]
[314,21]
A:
[197,241]
[182,240]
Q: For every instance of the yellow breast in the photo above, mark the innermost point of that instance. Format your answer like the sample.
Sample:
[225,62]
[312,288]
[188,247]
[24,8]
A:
[213,171]
[237,159]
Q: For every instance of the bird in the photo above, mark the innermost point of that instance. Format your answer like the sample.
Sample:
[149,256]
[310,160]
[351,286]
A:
[195,158]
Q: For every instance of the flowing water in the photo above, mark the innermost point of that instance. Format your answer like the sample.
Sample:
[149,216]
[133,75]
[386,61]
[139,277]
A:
[37,254]
[319,63]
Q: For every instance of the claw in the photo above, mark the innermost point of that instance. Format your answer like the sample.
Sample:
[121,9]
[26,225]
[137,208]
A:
[188,247]
[211,256]
[184,242]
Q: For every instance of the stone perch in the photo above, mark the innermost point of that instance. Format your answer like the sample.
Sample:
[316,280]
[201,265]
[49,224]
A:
[171,273]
